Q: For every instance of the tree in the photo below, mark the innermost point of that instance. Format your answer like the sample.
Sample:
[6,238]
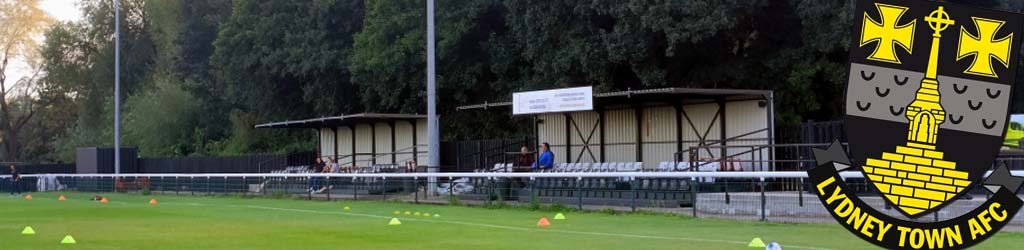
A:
[161,119]
[279,59]
[78,59]
[199,22]
[23,22]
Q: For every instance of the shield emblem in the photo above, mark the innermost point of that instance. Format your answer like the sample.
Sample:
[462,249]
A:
[928,96]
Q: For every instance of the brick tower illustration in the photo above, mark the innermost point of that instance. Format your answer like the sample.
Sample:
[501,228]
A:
[915,177]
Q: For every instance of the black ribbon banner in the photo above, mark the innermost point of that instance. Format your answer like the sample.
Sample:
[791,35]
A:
[892,233]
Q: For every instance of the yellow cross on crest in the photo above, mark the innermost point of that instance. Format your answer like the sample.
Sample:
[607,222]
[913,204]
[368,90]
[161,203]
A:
[984,47]
[887,33]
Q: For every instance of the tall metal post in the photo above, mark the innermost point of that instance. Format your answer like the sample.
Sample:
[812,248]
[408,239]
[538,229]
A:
[771,130]
[433,134]
[117,86]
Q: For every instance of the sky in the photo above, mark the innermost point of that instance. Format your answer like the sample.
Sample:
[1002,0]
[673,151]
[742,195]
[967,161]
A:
[62,10]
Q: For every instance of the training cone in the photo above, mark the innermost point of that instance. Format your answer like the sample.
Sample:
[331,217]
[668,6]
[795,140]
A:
[394,222]
[408,213]
[437,215]
[28,231]
[397,212]
[152,201]
[347,208]
[28,197]
[417,214]
[543,222]
[756,243]
[104,200]
[559,216]
[426,214]
[68,240]
[61,198]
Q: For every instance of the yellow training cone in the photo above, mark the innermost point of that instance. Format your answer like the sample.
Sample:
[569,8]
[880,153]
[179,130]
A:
[394,222]
[756,243]
[417,214]
[437,215]
[347,208]
[426,214]
[397,212]
[28,231]
[408,213]
[559,216]
[68,240]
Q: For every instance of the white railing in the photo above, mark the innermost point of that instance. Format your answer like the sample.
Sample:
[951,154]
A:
[745,175]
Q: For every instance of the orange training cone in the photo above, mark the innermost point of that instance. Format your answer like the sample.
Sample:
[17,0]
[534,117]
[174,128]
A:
[152,201]
[61,198]
[28,197]
[543,222]
[104,200]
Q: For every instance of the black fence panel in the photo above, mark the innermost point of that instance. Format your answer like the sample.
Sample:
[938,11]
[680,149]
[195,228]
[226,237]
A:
[801,158]
[480,154]
[225,164]
[41,169]
[101,160]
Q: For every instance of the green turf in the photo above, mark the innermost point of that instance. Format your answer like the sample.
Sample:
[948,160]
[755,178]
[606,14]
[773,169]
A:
[182,222]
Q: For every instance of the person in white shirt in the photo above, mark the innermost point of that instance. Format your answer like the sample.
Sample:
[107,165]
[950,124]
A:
[335,168]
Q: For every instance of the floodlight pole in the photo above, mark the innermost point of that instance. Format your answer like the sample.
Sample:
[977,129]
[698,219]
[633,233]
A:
[433,133]
[117,86]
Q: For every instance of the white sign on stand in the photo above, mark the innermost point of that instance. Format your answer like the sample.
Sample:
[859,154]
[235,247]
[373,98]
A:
[553,100]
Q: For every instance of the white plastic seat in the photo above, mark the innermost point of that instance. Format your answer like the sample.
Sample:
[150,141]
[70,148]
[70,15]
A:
[559,167]
[682,166]
[636,166]
[584,167]
[665,165]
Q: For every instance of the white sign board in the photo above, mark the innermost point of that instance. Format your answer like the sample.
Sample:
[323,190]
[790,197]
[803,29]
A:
[553,100]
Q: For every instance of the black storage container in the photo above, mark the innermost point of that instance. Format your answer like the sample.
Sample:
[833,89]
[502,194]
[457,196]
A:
[101,160]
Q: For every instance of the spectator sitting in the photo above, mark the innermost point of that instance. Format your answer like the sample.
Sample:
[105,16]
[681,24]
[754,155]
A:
[335,168]
[326,170]
[546,159]
[411,166]
[317,167]
[525,158]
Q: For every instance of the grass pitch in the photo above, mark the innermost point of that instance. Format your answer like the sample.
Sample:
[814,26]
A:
[185,222]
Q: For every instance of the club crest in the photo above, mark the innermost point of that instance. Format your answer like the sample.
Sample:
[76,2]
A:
[927,105]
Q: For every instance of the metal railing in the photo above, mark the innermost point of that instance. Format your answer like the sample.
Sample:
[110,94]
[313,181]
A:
[731,195]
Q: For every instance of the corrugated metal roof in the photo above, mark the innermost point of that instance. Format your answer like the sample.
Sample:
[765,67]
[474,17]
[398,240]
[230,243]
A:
[644,93]
[341,120]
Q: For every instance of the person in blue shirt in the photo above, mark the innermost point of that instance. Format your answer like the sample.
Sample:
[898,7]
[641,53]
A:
[546,159]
